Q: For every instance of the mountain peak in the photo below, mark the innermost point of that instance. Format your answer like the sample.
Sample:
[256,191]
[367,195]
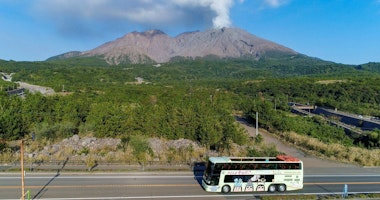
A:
[156,46]
[150,33]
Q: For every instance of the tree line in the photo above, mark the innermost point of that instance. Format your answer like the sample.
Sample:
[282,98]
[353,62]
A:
[194,99]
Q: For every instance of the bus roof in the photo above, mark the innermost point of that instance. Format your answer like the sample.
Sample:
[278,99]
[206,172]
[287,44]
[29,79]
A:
[225,159]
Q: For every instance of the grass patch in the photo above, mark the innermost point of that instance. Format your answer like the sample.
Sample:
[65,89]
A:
[336,152]
[331,81]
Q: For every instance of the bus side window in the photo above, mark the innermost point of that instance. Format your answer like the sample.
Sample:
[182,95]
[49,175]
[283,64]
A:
[292,166]
[260,166]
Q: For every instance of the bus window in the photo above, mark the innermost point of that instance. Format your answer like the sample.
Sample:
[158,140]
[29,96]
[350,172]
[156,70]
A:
[233,178]
[235,167]
[246,178]
[294,166]
[218,167]
[215,180]
[209,168]
[268,178]
[272,166]
[226,166]
[265,166]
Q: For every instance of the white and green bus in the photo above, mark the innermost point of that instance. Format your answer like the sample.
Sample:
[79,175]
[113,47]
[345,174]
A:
[249,174]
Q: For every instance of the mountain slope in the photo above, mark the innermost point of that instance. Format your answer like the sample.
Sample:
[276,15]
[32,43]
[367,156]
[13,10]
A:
[156,46]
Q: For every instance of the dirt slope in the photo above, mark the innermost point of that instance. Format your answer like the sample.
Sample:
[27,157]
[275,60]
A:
[309,161]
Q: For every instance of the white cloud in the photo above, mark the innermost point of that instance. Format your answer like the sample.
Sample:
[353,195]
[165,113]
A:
[220,8]
[275,3]
[86,16]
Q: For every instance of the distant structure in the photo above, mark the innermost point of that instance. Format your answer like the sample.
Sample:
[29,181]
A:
[139,80]
[18,92]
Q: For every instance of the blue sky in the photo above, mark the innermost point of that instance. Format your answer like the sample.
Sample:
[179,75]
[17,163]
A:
[343,31]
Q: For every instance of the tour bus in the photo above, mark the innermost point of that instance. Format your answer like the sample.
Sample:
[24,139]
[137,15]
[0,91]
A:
[248,174]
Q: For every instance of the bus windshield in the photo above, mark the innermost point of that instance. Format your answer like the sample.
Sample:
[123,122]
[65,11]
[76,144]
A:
[211,176]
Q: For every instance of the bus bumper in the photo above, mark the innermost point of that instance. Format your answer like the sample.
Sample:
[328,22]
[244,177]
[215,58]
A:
[210,188]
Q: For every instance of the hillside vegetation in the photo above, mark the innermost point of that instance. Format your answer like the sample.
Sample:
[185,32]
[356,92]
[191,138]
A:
[192,99]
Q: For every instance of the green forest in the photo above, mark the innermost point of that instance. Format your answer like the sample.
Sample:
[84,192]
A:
[192,99]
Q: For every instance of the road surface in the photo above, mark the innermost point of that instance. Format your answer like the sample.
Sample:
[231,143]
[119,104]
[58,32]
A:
[167,185]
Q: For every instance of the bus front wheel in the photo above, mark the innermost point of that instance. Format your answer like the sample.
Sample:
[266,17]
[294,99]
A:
[272,188]
[281,188]
[226,189]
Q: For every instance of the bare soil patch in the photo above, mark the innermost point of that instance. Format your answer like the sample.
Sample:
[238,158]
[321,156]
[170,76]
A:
[37,88]
[289,149]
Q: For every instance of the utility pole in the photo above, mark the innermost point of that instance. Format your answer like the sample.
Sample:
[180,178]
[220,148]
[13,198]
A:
[275,104]
[22,170]
[257,123]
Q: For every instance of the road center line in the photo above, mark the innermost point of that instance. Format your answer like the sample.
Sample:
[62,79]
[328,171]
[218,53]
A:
[171,185]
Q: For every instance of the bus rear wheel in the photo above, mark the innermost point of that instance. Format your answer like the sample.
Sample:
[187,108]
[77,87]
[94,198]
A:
[226,189]
[281,188]
[272,188]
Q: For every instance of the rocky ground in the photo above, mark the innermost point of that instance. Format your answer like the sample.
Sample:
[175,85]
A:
[81,146]
[76,148]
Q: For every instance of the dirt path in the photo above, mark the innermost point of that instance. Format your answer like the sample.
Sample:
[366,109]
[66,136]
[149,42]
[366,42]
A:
[308,160]
[36,88]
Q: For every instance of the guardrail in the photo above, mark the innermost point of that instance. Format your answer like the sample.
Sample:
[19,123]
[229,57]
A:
[78,165]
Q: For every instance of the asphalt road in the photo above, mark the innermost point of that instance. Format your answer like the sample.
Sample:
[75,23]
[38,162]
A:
[168,185]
